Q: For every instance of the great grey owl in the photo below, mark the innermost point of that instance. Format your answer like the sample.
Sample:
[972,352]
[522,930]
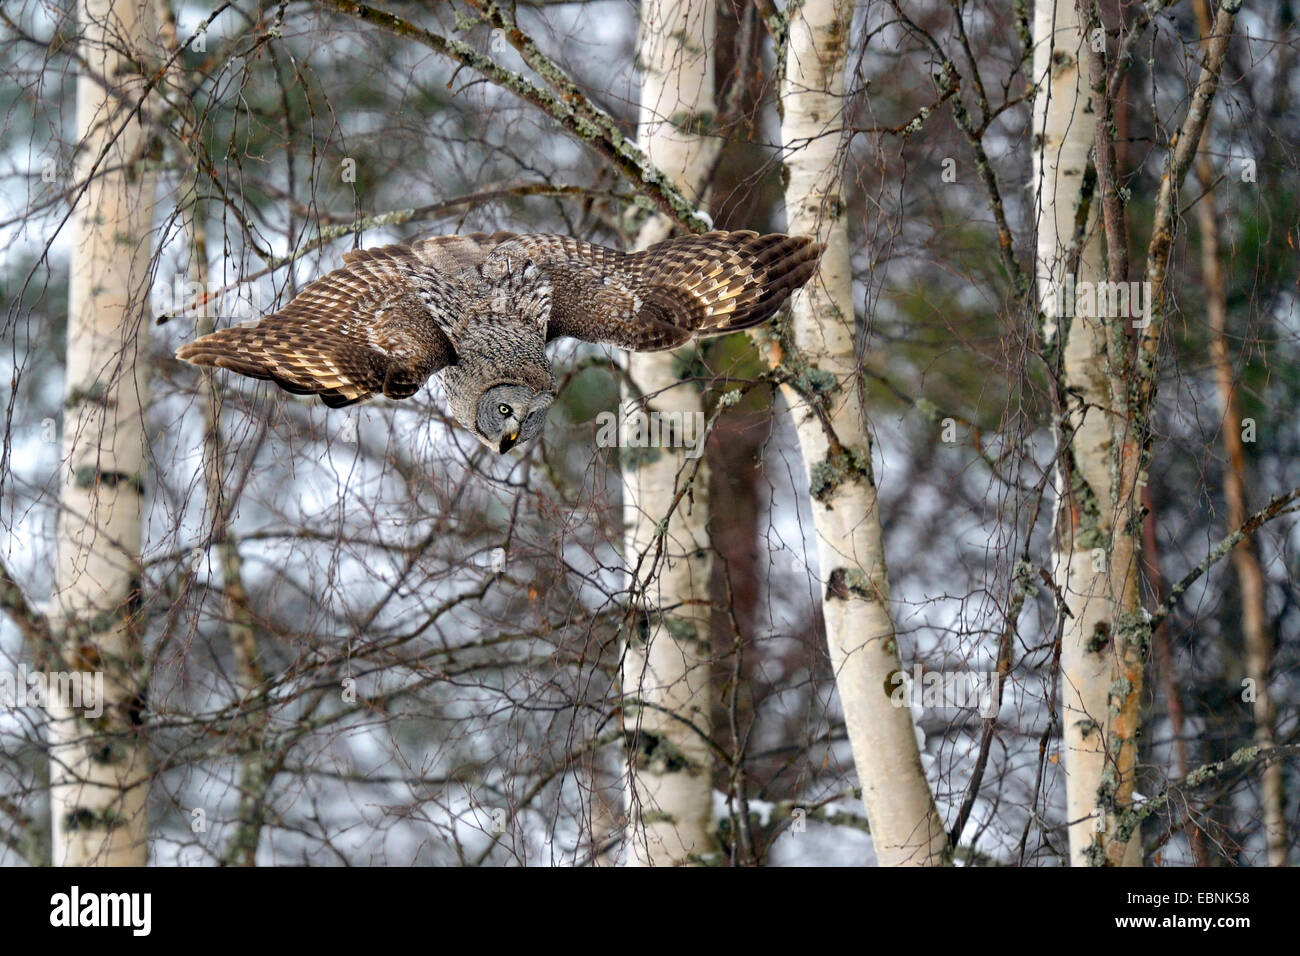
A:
[479,309]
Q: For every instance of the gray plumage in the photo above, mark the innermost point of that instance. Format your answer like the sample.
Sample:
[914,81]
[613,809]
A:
[478,310]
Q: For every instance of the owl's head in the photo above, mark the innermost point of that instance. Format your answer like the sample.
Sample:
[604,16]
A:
[508,414]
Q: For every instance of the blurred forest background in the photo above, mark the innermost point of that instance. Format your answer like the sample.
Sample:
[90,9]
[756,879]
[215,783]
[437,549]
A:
[359,638]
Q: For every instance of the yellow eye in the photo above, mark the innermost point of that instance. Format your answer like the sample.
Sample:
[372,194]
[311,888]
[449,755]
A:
[504,410]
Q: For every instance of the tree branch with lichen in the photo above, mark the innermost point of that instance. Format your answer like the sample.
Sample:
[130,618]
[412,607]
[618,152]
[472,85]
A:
[1277,506]
[31,623]
[1130,820]
[569,107]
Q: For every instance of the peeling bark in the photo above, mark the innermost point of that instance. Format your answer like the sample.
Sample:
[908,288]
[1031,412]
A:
[1093,561]
[822,358]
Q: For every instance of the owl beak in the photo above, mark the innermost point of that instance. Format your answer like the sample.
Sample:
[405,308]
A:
[509,442]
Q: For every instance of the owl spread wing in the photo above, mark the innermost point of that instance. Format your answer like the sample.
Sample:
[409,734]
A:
[377,325]
[672,292]
[388,319]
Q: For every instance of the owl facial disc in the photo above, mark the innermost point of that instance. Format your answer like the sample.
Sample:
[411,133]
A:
[509,413]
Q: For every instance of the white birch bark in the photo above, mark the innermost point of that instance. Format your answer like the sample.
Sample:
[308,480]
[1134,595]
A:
[99,771]
[1094,567]
[666,665]
[905,826]
[1063,134]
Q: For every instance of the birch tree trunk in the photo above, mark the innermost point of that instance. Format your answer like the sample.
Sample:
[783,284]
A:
[905,826]
[99,768]
[1094,561]
[1064,131]
[666,664]
[1134,387]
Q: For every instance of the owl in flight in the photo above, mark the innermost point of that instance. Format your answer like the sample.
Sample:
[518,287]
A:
[478,310]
